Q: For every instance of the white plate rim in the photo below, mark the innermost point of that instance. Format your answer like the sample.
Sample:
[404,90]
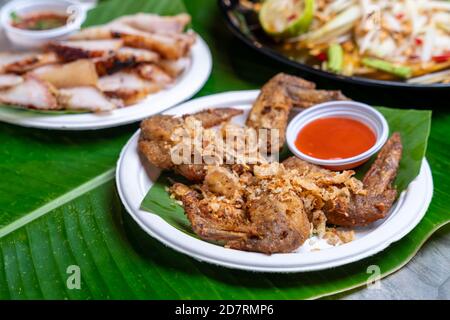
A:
[186,86]
[418,196]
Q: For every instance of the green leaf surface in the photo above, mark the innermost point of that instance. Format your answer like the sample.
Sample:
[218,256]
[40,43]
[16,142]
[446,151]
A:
[59,207]
[414,128]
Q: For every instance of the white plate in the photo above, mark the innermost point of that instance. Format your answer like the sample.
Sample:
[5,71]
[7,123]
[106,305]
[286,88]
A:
[187,85]
[133,183]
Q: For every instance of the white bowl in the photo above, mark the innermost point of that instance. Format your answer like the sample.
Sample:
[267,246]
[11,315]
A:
[27,39]
[344,109]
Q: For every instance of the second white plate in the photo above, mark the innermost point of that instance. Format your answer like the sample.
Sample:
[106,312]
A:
[133,183]
[187,85]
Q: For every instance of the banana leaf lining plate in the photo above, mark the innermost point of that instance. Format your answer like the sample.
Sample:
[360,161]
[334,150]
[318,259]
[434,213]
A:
[134,179]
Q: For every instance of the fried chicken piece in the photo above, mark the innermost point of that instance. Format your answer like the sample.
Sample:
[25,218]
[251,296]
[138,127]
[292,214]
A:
[156,139]
[305,98]
[273,105]
[362,209]
[280,222]
[271,223]
[277,98]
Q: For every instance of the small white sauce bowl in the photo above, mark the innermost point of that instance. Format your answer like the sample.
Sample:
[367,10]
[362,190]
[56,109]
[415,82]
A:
[341,109]
[28,39]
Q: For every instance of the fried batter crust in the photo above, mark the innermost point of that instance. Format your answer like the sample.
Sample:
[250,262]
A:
[277,98]
[361,210]
[155,139]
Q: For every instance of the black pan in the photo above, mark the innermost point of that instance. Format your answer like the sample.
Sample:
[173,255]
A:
[245,26]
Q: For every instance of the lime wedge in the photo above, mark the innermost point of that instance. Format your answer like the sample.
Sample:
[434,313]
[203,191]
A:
[286,18]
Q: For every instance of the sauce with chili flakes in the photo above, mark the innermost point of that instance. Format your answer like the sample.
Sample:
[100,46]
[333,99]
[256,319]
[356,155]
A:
[335,138]
[39,21]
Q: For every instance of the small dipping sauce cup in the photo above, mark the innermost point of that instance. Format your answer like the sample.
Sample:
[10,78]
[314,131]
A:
[337,135]
[34,39]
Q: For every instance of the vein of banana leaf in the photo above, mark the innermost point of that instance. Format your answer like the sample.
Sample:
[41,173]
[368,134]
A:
[61,200]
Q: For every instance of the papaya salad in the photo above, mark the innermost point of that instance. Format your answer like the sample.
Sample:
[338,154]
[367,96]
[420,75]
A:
[399,40]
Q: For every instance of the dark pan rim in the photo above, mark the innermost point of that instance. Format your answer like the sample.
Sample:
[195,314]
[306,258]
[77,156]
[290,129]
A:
[320,73]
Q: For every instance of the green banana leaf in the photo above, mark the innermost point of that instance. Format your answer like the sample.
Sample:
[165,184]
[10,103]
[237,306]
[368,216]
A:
[414,128]
[59,206]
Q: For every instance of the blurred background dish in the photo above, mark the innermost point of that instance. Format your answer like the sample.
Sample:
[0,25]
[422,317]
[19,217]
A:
[245,23]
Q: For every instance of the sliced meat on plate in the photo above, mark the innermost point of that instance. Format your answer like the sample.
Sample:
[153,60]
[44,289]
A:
[9,80]
[124,58]
[21,62]
[85,98]
[138,55]
[68,75]
[157,24]
[155,74]
[83,49]
[33,93]
[170,46]
[175,67]
[127,86]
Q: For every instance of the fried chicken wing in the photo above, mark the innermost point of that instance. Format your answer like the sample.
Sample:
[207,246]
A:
[374,204]
[156,139]
[276,100]
[270,223]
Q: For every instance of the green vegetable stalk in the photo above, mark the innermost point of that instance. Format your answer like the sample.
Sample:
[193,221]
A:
[335,58]
[400,71]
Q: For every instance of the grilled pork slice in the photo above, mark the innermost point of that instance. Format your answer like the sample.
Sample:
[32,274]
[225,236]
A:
[157,24]
[155,74]
[127,86]
[170,46]
[78,73]
[175,67]
[32,93]
[9,80]
[20,62]
[85,98]
[125,57]
[83,49]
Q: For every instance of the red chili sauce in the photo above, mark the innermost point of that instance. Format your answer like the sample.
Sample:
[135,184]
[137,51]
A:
[335,138]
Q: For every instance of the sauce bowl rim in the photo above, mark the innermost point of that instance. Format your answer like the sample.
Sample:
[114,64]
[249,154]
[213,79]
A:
[7,9]
[331,109]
